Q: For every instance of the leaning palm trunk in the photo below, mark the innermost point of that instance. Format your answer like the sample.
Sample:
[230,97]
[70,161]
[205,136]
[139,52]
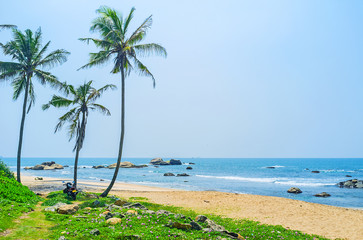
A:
[79,146]
[18,161]
[105,193]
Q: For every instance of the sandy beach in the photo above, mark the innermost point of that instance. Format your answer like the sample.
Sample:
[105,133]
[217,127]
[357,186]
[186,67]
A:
[328,221]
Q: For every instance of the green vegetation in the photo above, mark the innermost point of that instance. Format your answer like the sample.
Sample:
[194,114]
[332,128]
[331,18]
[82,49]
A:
[15,199]
[28,54]
[83,100]
[125,50]
[5,171]
[148,225]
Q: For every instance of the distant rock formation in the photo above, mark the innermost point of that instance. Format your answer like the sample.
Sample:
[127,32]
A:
[189,168]
[182,175]
[353,183]
[126,165]
[45,166]
[169,174]
[315,171]
[160,161]
[294,190]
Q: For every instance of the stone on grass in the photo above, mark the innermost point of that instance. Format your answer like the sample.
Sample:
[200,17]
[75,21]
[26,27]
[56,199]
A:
[201,218]
[214,227]
[195,226]
[178,225]
[120,202]
[113,221]
[163,212]
[68,209]
[135,205]
[95,232]
[132,212]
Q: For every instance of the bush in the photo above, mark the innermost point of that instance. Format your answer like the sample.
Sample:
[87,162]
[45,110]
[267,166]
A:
[5,171]
[12,190]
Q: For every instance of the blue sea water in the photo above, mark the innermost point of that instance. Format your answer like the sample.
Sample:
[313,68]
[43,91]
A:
[237,175]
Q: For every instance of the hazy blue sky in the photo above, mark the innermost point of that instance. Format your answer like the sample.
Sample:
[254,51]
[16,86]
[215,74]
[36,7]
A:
[242,79]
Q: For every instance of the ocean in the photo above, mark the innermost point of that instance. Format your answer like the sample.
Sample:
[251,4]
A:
[236,175]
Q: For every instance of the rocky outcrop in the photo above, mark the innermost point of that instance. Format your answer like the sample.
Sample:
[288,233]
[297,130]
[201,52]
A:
[189,168]
[353,183]
[126,165]
[169,174]
[98,166]
[45,166]
[323,194]
[294,190]
[158,161]
[315,171]
[175,162]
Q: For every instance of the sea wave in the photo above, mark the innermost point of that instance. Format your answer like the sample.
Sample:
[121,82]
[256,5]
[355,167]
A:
[276,166]
[306,184]
[245,179]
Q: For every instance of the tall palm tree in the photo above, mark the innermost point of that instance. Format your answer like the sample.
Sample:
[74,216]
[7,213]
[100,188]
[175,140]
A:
[82,99]
[28,54]
[124,49]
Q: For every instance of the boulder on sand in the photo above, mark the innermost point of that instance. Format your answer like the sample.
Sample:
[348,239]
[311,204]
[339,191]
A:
[294,190]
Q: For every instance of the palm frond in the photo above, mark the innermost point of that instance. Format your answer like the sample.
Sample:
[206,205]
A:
[18,86]
[7,26]
[142,70]
[145,50]
[100,108]
[31,96]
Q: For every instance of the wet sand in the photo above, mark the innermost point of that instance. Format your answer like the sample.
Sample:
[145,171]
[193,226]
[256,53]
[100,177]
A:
[328,221]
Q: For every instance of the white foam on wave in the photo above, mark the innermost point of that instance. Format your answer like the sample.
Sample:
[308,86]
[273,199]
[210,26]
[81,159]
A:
[276,166]
[282,181]
[65,172]
[263,180]
[306,184]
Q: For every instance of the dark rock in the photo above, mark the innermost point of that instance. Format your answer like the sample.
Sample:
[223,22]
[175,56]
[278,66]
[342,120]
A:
[294,190]
[323,194]
[65,166]
[102,180]
[27,168]
[201,218]
[135,205]
[189,168]
[175,162]
[179,225]
[99,166]
[109,215]
[315,171]
[163,212]
[191,163]
[48,163]
[271,167]
[195,226]
[169,174]
[120,202]
[38,178]
[182,175]
[348,176]
[96,203]
[307,169]
[181,216]
[38,167]
[95,232]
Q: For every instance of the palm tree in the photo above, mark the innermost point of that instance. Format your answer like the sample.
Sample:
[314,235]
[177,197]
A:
[83,99]
[7,26]
[124,49]
[28,54]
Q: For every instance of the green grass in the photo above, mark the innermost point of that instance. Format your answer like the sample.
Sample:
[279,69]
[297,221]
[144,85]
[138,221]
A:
[151,226]
[15,199]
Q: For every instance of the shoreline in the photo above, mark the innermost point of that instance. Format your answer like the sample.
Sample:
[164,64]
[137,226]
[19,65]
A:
[324,220]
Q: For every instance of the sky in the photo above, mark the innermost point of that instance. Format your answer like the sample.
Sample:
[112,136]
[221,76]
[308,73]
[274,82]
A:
[243,79]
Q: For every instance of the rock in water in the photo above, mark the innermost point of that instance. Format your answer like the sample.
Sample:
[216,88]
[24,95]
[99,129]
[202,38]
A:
[353,183]
[158,161]
[315,171]
[189,168]
[294,190]
[323,194]
[99,166]
[169,174]
[175,162]
[38,167]
[182,175]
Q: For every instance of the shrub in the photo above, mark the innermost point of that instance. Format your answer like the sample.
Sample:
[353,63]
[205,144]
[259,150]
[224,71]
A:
[12,190]
[5,171]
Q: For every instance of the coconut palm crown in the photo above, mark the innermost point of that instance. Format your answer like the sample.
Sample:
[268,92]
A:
[29,59]
[82,99]
[123,47]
